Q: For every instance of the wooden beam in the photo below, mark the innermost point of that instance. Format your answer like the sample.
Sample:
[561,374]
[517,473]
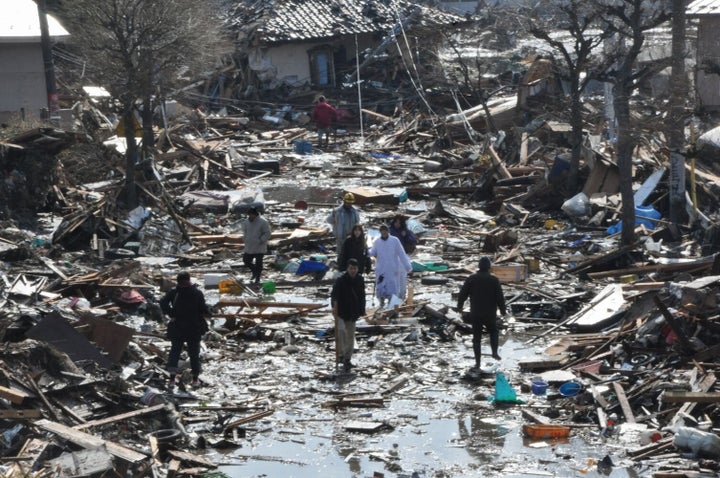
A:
[14,396]
[86,440]
[20,414]
[622,398]
[673,396]
[251,418]
[122,416]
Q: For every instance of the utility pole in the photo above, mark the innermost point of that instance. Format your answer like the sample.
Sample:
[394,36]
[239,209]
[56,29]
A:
[676,123]
[52,95]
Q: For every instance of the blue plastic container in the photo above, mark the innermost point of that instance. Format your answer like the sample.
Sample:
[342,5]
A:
[570,389]
[646,215]
[539,387]
[303,147]
[307,267]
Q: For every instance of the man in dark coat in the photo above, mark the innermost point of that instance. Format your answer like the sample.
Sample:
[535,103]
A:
[486,297]
[185,305]
[348,304]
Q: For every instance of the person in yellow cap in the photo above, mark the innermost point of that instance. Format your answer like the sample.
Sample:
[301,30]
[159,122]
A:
[342,219]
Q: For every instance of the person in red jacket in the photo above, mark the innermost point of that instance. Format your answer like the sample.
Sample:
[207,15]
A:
[324,116]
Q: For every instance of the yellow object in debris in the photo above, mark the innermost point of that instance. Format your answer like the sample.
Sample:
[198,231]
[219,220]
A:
[628,278]
[229,287]
[533,264]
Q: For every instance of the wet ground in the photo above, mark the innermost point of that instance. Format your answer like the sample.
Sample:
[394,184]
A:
[440,424]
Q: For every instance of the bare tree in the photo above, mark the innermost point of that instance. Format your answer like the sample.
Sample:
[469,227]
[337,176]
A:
[629,20]
[579,20]
[137,48]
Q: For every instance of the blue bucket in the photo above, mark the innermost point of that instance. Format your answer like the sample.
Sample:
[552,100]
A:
[539,387]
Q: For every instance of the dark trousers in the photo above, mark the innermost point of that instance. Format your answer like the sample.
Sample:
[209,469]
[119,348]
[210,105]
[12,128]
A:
[254,262]
[193,348]
[477,327]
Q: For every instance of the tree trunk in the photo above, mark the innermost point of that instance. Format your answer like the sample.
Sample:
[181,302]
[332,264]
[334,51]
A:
[625,148]
[676,123]
[130,158]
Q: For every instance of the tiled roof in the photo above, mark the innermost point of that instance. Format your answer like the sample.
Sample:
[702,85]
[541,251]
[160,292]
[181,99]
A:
[280,21]
[703,7]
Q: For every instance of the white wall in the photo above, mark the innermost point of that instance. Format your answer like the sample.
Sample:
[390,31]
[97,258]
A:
[22,79]
[291,62]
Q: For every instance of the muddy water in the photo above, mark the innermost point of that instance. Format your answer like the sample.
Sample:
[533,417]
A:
[440,424]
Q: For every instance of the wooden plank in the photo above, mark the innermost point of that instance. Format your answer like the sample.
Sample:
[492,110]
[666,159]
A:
[251,418]
[674,396]
[14,396]
[395,384]
[31,451]
[86,440]
[121,417]
[543,363]
[52,267]
[20,414]
[499,163]
[622,398]
[355,402]
[599,398]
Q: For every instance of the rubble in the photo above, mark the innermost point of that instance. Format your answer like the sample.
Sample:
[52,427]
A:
[624,339]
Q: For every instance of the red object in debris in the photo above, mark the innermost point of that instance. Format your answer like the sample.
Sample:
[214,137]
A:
[131,297]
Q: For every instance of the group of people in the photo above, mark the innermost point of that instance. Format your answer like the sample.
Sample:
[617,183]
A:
[392,267]
[185,303]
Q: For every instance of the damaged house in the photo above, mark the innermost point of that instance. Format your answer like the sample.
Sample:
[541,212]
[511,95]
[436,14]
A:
[321,42]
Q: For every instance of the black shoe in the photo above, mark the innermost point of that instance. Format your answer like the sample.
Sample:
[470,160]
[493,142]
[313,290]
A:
[347,365]
[496,356]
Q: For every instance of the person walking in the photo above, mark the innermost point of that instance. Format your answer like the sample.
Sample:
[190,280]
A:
[392,266]
[355,247]
[256,234]
[348,304]
[486,297]
[342,219]
[324,116]
[399,229]
[186,307]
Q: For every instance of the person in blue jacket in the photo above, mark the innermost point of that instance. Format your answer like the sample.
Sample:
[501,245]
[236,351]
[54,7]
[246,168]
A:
[399,229]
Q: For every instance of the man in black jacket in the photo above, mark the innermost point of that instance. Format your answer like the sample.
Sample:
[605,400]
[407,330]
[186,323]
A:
[348,304]
[486,297]
[185,305]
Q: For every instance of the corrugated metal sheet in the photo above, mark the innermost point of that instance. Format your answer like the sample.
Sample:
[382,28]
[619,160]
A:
[703,7]
[280,21]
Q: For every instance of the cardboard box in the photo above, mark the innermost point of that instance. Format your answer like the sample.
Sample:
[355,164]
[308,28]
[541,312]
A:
[510,272]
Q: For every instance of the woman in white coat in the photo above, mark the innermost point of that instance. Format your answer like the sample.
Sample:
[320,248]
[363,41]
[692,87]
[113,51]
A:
[392,266]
